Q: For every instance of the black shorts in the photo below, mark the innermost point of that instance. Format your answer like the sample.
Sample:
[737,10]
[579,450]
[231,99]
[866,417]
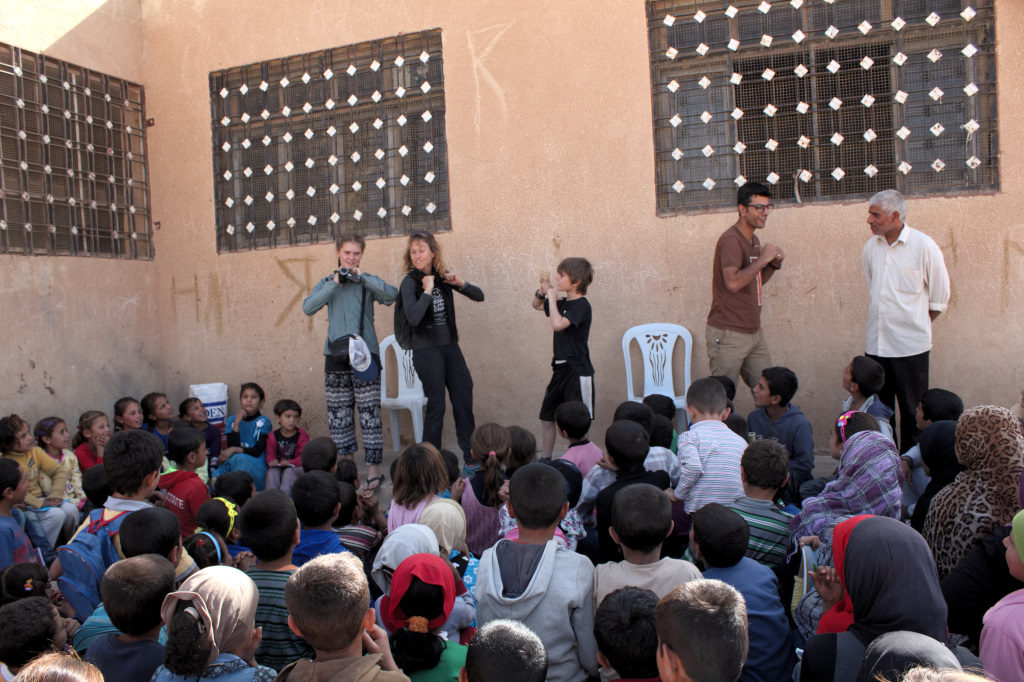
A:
[566,385]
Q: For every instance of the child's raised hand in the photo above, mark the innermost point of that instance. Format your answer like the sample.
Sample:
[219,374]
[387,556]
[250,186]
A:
[811,540]
[243,560]
[458,488]
[503,492]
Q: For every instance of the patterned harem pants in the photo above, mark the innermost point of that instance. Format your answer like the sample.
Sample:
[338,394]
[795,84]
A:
[344,392]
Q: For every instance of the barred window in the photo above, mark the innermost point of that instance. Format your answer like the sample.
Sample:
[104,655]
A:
[349,139]
[821,100]
[73,174]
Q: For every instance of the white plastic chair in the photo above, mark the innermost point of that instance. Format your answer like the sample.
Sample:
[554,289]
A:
[410,391]
[657,343]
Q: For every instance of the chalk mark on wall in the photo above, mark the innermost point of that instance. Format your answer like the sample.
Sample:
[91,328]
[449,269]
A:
[209,311]
[1006,285]
[302,287]
[480,69]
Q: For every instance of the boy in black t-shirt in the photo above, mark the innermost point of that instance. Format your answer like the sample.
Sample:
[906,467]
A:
[572,375]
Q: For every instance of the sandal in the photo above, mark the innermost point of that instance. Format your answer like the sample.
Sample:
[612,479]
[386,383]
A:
[373,484]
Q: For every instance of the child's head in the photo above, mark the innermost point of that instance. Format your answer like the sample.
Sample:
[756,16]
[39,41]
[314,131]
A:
[128,413]
[269,525]
[627,443]
[452,466]
[132,460]
[421,599]
[522,449]
[728,384]
[537,497]
[398,545]
[207,548]
[423,253]
[193,410]
[505,651]
[661,432]
[1014,543]
[348,503]
[847,424]
[328,601]
[776,387]
[738,425]
[52,434]
[635,412]
[29,627]
[661,404]
[156,408]
[154,530]
[186,447]
[938,404]
[214,607]
[288,413]
[133,591]
[573,419]
[13,483]
[218,515]
[448,521]
[702,632]
[320,454]
[15,434]
[59,667]
[720,535]
[863,376]
[489,445]
[765,464]
[419,474]
[625,627]
[579,272]
[641,517]
[251,397]
[238,486]
[573,478]
[316,498]
[20,581]
[346,471]
[706,397]
[91,425]
[95,486]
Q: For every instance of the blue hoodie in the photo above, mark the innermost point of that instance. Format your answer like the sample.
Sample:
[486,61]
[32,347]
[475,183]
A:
[792,430]
[314,542]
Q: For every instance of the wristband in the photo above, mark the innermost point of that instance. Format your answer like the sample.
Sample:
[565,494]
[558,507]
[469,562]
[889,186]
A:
[539,296]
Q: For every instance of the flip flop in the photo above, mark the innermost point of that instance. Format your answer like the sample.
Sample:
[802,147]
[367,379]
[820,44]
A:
[370,487]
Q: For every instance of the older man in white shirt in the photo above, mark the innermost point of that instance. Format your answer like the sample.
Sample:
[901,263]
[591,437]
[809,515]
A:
[908,287]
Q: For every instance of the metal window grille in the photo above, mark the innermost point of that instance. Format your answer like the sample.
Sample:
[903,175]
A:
[349,139]
[73,174]
[820,99]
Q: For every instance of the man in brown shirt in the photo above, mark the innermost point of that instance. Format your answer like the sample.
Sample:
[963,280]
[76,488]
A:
[735,340]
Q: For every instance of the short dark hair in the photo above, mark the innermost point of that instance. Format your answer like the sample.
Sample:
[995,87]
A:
[661,432]
[704,623]
[350,237]
[938,404]
[641,517]
[182,406]
[854,423]
[236,486]
[133,591]
[721,535]
[319,454]
[268,522]
[635,412]
[345,472]
[781,382]
[868,374]
[627,443]
[661,404]
[751,189]
[573,478]
[282,406]
[129,457]
[348,498]
[707,396]
[27,629]
[10,474]
[522,449]
[451,465]
[537,493]
[252,386]
[765,464]
[154,530]
[95,485]
[728,384]
[315,496]
[625,627]
[327,598]
[183,440]
[738,425]
[573,417]
[215,515]
[506,651]
[579,271]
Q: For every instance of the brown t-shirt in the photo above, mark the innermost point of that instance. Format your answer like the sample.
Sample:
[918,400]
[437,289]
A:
[740,311]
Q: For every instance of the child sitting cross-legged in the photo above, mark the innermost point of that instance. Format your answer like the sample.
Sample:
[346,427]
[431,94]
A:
[536,581]
[317,502]
[328,602]
[627,636]
[641,520]
[505,651]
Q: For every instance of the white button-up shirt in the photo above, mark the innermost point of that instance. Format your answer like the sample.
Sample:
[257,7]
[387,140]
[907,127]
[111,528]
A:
[905,280]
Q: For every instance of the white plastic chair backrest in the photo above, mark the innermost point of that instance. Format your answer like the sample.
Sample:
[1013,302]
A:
[657,342]
[409,384]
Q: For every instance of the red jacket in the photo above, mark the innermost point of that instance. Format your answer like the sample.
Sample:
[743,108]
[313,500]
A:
[184,492]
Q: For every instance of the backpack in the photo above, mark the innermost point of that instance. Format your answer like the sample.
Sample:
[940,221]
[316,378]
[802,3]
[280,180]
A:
[403,330]
[85,559]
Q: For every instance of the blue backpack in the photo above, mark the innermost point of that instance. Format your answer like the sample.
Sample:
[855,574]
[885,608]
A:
[85,559]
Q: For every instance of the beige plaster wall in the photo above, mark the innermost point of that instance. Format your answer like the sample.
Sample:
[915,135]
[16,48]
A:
[550,155]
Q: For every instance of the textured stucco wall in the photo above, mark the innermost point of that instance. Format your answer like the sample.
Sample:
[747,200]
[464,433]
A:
[550,155]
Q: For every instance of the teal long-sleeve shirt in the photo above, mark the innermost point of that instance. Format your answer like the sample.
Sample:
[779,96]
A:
[343,302]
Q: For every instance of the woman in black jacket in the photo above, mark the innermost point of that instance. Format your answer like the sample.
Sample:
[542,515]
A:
[427,304]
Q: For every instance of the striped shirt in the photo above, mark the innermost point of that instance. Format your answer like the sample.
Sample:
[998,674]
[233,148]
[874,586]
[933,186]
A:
[709,458]
[280,646]
[769,529]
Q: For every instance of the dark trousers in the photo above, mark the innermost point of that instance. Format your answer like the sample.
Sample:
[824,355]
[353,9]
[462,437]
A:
[906,380]
[443,367]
